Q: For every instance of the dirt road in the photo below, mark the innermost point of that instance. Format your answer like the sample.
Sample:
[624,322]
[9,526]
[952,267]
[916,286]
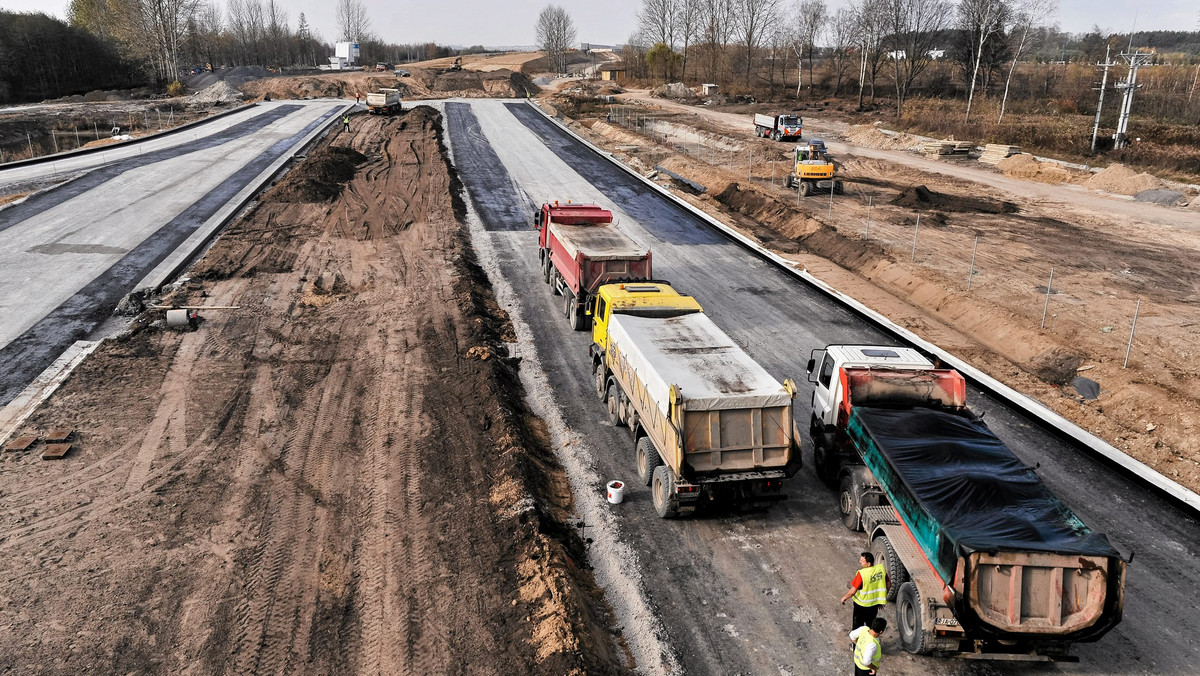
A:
[339,477]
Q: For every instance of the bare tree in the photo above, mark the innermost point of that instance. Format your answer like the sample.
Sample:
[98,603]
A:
[206,29]
[657,21]
[1028,13]
[276,30]
[717,22]
[870,17]
[165,23]
[752,19]
[246,23]
[842,33]
[354,24]
[810,22]
[981,21]
[688,22]
[913,27]
[555,33]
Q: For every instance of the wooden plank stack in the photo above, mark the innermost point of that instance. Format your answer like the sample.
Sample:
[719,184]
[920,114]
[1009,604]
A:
[938,147]
[994,152]
[963,147]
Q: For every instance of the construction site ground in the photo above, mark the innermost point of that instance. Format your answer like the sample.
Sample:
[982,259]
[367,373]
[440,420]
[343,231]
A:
[339,476]
[1107,252]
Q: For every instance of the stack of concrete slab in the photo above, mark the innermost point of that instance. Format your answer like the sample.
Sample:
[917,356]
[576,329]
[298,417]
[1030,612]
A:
[938,147]
[994,152]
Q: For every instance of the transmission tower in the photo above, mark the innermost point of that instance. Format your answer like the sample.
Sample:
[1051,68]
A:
[1103,84]
[1136,60]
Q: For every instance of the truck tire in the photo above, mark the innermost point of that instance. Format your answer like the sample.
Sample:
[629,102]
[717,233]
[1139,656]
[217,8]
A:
[775,135]
[897,574]
[647,459]
[576,316]
[547,269]
[805,189]
[910,618]
[601,380]
[849,496]
[837,188]
[614,405]
[825,462]
[568,303]
[554,277]
[788,182]
[662,492]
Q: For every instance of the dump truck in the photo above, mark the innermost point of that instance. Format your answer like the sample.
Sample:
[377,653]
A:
[813,170]
[983,561]
[709,425]
[581,248]
[778,127]
[383,102]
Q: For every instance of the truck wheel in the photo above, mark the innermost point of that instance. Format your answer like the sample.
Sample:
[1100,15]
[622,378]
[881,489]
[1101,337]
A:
[775,135]
[547,268]
[837,188]
[825,464]
[614,405]
[848,503]
[554,278]
[910,619]
[788,182]
[601,379]
[662,492]
[805,189]
[897,574]
[647,459]
[576,316]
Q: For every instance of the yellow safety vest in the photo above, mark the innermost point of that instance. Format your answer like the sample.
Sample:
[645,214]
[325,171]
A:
[874,586]
[860,649]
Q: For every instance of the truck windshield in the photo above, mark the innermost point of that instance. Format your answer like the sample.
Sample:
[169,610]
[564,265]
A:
[656,312]
[790,121]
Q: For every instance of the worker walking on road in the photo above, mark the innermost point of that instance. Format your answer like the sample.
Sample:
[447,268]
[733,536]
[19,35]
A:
[345,121]
[867,650]
[869,590]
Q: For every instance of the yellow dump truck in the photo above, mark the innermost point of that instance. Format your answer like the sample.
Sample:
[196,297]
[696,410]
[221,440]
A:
[709,424]
[813,170]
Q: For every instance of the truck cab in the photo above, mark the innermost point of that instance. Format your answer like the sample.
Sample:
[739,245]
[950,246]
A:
[645,299]
[826,371]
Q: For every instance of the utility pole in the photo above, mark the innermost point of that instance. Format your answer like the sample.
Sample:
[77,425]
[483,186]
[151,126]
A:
[1100,106]
[1136,60]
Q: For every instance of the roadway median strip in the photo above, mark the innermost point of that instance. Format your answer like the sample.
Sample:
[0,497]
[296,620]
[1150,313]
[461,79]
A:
[1075,435]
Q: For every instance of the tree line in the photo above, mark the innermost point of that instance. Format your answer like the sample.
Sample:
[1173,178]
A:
[41,57]
[877,47]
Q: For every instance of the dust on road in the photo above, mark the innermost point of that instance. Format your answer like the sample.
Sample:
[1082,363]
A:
[339,477]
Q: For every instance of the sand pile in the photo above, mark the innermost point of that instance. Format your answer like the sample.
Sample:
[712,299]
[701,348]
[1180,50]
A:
[1122,180]
[675,90]
[220,92]
[1024,165]
[501,83]
[874,137]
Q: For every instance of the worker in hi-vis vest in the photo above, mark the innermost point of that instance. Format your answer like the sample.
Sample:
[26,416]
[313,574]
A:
[869,590]
[867,650]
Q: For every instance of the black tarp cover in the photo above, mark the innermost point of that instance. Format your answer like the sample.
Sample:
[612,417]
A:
[981,494]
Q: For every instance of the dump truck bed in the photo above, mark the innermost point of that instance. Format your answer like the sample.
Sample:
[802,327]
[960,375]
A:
[1024,563]
[600,241]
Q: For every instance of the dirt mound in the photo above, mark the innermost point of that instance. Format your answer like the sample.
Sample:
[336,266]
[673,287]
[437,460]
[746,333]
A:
[321,178]
[674,90]
[1121,180]
[502,83]
[1024,165]
[219,92]
[873,137]
[921,197]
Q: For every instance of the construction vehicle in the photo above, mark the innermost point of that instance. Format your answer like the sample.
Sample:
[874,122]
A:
[457,65]
[384,102]
[709,424]
[983,561]
[581,248]
[778,127]
[813,170]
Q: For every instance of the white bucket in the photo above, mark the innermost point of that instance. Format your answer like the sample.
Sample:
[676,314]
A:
[616,492]
[177,318]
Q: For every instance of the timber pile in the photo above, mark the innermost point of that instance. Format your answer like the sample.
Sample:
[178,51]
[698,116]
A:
[938,147]
[994,152]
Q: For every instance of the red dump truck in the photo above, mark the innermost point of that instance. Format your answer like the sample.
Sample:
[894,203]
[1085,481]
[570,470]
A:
[983,560]
[580,249]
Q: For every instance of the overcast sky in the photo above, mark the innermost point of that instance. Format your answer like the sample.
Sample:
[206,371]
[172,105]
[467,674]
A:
[510,22]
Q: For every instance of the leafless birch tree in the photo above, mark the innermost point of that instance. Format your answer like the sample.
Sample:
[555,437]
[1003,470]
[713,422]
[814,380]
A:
[165,23]
[354,24]
[809,18]
[913,28]
[555,33]
[1028,14]
[982,21]
[752,19]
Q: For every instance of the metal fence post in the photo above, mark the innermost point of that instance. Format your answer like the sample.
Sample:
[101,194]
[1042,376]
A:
[916,230]
[1049,286]
[870,199]
[830,217]
[1131,332]
[971,272]
[750,168]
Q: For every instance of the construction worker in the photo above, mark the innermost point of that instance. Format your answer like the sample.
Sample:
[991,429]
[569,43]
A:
[869,590]
[345,121]
[867,650]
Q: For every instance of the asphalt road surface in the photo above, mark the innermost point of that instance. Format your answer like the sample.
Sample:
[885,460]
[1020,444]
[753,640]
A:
[757,593]
[69,254]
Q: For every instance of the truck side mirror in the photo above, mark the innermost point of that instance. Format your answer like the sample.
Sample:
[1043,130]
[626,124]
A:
[812,364]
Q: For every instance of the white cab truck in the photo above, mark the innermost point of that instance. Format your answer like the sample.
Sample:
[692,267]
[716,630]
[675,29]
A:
[778,127]
[709,424]
[984,562]
[383,102]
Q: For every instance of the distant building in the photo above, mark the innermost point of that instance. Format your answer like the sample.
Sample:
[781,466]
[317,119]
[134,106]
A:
[936,54]
[592,47]
[613,72]
[345,55]
[709,89]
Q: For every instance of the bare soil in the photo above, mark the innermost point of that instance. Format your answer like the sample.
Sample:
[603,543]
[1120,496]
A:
[1103,263]
[339,477]
[422,83]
